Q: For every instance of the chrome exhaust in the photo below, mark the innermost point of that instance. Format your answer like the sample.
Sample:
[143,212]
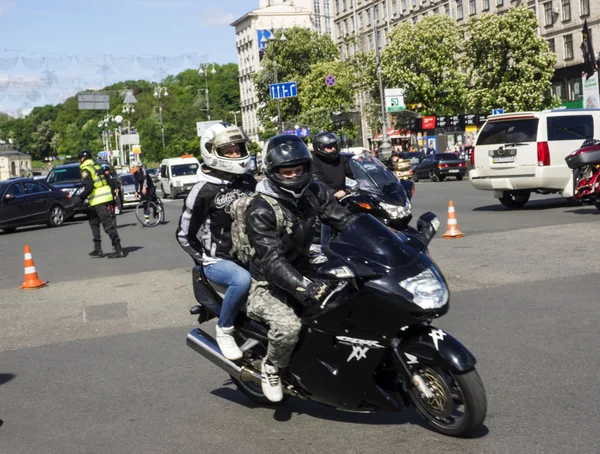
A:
[202,343]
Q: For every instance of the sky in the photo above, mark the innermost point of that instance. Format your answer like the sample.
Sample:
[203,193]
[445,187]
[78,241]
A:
[63,46]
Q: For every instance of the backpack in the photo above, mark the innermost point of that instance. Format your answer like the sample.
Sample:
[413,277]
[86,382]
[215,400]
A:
[242,249]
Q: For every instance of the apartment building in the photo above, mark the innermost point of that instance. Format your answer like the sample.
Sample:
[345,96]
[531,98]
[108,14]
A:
[252,32]
[360,24]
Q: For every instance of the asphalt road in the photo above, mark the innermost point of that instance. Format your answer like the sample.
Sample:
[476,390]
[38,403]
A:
[96,362]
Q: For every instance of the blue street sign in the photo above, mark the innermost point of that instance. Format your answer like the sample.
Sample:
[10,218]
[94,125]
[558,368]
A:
[330,81]
[497,111]
[283,90]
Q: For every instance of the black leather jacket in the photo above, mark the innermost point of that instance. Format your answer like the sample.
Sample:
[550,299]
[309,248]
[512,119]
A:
[332,173]
[280,256]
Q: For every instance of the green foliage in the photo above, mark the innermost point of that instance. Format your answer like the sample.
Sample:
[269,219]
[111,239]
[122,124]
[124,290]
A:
[295,57]
[319,102]
[509,65]
[65,130]
[422,59]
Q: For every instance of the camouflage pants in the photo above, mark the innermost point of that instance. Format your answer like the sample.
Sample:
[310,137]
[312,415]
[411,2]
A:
[268,305]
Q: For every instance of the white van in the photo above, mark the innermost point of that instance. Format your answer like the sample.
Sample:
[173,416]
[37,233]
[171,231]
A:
[178,175]
[516,154]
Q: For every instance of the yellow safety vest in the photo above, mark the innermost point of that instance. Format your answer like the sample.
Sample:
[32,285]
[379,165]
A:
[102,192]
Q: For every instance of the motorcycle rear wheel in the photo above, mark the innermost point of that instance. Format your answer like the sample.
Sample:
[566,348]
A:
[459,406]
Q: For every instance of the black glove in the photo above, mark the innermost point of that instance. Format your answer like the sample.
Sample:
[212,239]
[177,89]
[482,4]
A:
[313,293]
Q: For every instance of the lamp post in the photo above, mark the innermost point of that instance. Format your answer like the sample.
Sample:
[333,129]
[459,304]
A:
[104,123]
[159,92]
[235,114]
[203,70]
[386,147]
[273,40]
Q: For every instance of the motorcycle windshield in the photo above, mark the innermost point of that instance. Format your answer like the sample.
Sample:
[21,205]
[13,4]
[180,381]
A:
[373,177]
[368,240]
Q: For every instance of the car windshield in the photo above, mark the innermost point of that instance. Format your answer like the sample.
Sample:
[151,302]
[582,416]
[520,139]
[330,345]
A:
[368,240]
[63,174]
[509,131]
[370,174]
[127,179]
[184,169]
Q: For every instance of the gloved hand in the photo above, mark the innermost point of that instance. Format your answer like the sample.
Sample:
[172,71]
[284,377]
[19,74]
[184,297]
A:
[77,201]
[313,293]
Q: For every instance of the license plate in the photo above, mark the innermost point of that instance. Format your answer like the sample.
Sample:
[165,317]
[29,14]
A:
[454,170]
[503,159]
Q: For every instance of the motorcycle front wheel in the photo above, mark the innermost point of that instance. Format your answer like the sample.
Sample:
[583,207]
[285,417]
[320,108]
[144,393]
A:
[459,404]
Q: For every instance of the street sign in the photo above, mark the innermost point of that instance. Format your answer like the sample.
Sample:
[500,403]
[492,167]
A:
[300,132]
[283,90]
[441,122]
[497,111]
[394,100]
[130,139]
[93,101]
[330,81]
[136,150]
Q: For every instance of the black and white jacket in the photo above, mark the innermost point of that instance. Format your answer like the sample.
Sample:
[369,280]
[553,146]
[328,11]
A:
[204,229]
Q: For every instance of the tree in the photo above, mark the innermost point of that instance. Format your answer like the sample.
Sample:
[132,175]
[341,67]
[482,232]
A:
[320,103]
[422,58]
[302,49]
[510,67]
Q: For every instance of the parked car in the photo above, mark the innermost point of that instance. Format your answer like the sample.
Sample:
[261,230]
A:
[24,201]
[439,166]
[519,153]
[128,190]
[66,177]
[153,174]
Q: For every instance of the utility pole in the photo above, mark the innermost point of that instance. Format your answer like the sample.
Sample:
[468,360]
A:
[282,39]
[386,147]
[159,92]
[203,70]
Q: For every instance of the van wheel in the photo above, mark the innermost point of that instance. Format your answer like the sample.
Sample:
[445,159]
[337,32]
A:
[514,200]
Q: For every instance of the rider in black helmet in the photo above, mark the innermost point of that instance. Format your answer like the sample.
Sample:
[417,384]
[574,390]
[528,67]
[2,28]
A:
[331,169]
[282,251]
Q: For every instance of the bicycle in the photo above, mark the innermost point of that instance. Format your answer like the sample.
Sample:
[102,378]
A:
[156,212]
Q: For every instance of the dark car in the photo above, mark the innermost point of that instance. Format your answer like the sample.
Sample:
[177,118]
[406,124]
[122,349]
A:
[438,166]
[153,174]
[24,201]
[67,178]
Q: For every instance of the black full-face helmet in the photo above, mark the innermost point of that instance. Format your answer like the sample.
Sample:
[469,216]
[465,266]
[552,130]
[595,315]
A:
[326,140]
[85,154]
[285,151]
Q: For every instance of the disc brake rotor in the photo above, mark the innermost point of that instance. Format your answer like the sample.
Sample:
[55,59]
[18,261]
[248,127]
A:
[441,404]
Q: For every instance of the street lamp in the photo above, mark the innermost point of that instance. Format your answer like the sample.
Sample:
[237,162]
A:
[386,147]
[234,113]
[203,70]
[159,92]
[273,40]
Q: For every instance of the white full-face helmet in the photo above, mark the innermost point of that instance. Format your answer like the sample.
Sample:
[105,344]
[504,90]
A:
[216,140]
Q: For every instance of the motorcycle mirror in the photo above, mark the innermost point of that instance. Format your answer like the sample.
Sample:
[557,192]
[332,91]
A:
[428,225]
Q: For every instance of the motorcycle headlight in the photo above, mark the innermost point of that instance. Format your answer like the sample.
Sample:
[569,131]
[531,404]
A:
[396,211]
[428,290]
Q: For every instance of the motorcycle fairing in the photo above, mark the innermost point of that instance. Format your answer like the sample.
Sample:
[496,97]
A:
[338,371]
[429,345]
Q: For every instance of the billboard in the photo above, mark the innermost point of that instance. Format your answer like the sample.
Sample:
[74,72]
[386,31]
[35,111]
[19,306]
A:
[93,101]
[428,122]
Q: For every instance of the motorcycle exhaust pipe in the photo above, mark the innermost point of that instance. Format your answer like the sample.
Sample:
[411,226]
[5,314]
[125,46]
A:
[202,343]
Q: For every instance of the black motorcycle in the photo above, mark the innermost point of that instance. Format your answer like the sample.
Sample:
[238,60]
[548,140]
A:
[370,346]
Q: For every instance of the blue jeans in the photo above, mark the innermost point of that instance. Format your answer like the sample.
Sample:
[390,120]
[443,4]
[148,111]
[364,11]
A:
[326,234]
[237,280]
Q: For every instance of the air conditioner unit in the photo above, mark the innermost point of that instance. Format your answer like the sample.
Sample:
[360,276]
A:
[556,10]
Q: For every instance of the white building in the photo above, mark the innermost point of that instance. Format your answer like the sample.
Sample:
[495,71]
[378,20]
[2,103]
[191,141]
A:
[258,24]
[13,163]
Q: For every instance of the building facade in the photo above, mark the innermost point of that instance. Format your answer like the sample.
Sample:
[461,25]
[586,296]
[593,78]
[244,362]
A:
[252,32]
[360,24]
[13,163]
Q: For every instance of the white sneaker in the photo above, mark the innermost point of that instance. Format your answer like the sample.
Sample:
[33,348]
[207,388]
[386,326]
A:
[271,383]
[227,344]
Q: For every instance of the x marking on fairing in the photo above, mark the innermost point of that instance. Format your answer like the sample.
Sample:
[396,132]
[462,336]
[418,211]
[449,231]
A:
[358,352]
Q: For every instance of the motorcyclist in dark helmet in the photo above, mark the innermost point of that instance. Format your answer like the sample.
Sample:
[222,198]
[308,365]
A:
[331,169]
[282,251]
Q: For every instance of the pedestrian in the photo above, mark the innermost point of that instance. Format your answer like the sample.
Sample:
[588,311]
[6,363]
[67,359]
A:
[99,194]
[144,189]
[281,259]
[222,178]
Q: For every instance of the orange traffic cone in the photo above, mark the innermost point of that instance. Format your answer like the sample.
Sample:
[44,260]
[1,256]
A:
[452,231]
[31,278]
